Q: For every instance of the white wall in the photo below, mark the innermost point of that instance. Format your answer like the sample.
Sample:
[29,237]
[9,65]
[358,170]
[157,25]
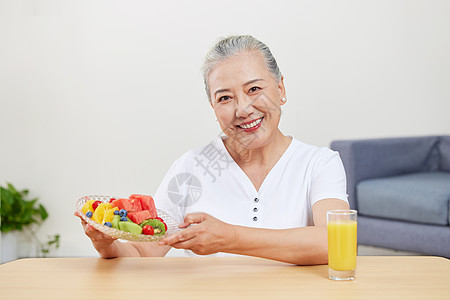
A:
[99,97]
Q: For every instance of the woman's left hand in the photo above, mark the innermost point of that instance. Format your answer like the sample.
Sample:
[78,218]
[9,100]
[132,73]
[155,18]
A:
[207,235]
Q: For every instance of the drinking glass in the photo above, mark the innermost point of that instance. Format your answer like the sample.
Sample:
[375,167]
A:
[342,245]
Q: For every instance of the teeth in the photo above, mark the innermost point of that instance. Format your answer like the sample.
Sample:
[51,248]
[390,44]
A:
[252,124]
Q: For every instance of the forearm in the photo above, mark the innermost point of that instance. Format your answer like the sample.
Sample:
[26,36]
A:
[116,249]
[301,246]
[131,249]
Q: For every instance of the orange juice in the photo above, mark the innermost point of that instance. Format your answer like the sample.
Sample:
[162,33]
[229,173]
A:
[342,245]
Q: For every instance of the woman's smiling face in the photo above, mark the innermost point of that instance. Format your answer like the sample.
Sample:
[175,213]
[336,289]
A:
[246,99]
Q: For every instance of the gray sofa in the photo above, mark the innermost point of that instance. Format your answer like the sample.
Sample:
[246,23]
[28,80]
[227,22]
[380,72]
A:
[401,189]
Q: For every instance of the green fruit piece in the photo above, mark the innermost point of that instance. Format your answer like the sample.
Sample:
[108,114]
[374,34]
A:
[157,225]
[115,222]
[130,227]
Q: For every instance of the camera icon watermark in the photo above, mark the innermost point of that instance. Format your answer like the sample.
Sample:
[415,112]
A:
[184,189]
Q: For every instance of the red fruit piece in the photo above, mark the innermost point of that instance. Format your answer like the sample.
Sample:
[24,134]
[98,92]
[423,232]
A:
[148,230]
[136,204]
[147,203]
[143,199]
[139,216]
[95,204]
[111,200]
[122,204]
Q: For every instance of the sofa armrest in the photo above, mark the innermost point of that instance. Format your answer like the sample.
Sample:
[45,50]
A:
[444,153]
[376,158]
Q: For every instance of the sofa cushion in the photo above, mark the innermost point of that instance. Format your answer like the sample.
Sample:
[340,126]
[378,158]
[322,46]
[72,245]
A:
[444,152]
[396,156]
[417,197]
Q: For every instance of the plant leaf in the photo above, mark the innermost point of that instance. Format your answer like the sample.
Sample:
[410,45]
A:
[7,197]
[43,212]
[16,211]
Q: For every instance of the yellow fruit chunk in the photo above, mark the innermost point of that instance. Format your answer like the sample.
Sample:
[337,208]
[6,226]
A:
[109,215]
[99,212]
[87,207]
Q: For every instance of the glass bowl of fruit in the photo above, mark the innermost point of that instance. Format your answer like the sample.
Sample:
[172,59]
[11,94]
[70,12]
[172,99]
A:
[133,219]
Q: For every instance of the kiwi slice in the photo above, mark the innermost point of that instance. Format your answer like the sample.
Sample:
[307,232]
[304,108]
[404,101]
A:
[157,225]
[115,222]
[130,227]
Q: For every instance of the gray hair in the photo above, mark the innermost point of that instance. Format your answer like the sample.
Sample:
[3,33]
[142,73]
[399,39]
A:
[233,45]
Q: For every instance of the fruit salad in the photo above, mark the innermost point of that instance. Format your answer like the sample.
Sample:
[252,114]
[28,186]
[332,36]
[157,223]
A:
[136,215]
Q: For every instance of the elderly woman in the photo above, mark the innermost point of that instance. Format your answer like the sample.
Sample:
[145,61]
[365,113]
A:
[254,191]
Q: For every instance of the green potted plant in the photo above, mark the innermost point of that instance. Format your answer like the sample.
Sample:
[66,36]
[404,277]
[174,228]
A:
[17,213]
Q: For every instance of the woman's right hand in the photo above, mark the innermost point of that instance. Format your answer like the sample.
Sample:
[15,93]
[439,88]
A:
[100,240]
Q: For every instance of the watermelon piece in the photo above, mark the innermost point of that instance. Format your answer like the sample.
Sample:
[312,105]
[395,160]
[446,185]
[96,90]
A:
[144,200]
[139,216]
[122,204]
[136,204]
[147,203]
[127,204]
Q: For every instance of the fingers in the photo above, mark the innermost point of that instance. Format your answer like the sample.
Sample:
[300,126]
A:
[77,214]
[186,234]
[188,245]
[174,238]
[96,235]
[194,218]
[91,232]
[182,236]
[195,245]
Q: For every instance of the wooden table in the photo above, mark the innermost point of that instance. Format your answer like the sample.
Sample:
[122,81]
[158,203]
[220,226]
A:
[378,277]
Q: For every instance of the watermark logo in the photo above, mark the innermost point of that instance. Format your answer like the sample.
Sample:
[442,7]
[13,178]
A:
[184,189]
[213,161]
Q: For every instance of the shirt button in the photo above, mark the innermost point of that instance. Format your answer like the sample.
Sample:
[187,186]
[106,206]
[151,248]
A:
[255,218]
[256,200]
[255,209]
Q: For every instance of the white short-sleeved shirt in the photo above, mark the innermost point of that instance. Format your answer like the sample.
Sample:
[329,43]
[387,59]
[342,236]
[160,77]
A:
[208,180]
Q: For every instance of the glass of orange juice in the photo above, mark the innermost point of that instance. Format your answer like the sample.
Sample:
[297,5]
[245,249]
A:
[342,246]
